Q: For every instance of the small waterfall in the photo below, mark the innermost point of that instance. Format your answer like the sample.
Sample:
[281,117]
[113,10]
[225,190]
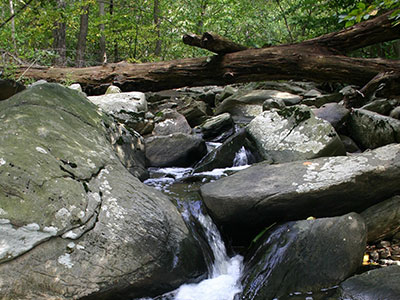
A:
[223,281]
[241,158]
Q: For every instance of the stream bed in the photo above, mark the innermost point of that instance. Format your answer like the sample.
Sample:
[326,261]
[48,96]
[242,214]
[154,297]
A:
[224,272]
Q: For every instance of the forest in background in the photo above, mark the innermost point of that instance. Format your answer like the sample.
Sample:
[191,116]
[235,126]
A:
[91,32]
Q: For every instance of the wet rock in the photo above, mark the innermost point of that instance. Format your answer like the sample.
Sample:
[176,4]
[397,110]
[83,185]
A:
[205,94]
[381,283]
[293,87]
[129,147]
[371,130]
[127,108]
[334,113]
[248,104]
[76,87]
[121,102]
[313,93]
[223,156]
[263,193]
[112,89]
[226,92]
[178,150]
[395,113]
[273,103]
[304,256]
[9,88]
[215,126]
[349,145]
[71,210]
[380,106]
[169,122]
[195,112]
[323,99]
[383,219]
[293,133]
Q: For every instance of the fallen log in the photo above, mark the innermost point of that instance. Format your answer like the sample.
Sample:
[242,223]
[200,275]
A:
[318,59]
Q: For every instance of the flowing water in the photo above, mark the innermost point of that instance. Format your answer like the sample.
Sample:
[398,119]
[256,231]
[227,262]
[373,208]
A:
[224,272]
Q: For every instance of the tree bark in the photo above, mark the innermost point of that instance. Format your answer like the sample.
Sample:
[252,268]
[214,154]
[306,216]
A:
[13,27]
[103,55]
[318,59]
[59,34]
[213,43]
[157,25]
[83,31]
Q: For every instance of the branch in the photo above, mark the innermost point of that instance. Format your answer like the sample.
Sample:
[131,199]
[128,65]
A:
[373,31]
[15,14]
[212,42]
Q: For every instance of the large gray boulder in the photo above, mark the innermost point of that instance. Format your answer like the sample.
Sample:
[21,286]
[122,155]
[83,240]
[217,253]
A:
[121,102]
[383,219]
[263,193]
[174,150]
[248,104]
[381,106]
[334,113]
[74,222]
[216,125]
[169,122]
[304,256]
[127,108]
[376,284]
[371,130]
[293,133]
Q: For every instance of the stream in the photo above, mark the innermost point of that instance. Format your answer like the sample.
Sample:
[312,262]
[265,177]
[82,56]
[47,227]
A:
[224,272]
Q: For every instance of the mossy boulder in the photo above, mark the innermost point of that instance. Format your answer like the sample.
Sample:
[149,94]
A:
[73,221]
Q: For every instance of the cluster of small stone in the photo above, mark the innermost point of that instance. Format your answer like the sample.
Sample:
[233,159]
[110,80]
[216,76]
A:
[385,252]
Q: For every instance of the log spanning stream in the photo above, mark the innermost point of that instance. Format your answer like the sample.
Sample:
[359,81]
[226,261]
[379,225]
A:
[224,272]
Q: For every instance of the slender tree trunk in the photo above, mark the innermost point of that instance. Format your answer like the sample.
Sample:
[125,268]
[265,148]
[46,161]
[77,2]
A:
[103,55]
[59,34]
[396,48]
[157,25]
[83,31]
[115,42]
[13,27]
[286,22]
[200,22]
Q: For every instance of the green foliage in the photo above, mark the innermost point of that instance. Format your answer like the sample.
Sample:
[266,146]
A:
[364,10]
[132,33]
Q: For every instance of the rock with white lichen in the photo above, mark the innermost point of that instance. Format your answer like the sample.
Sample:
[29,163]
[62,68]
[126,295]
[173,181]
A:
[74,222]
[293,133]
[264,193]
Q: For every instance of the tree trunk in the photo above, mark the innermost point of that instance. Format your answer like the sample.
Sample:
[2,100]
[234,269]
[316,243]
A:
[318,59]
[103,55]
[396,48]
[115,42]
[200,22]
[83,31]
[157,25]
[59,34]
[13,27]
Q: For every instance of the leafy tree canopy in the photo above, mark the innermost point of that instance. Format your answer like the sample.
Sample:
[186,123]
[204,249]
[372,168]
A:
[133,29]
